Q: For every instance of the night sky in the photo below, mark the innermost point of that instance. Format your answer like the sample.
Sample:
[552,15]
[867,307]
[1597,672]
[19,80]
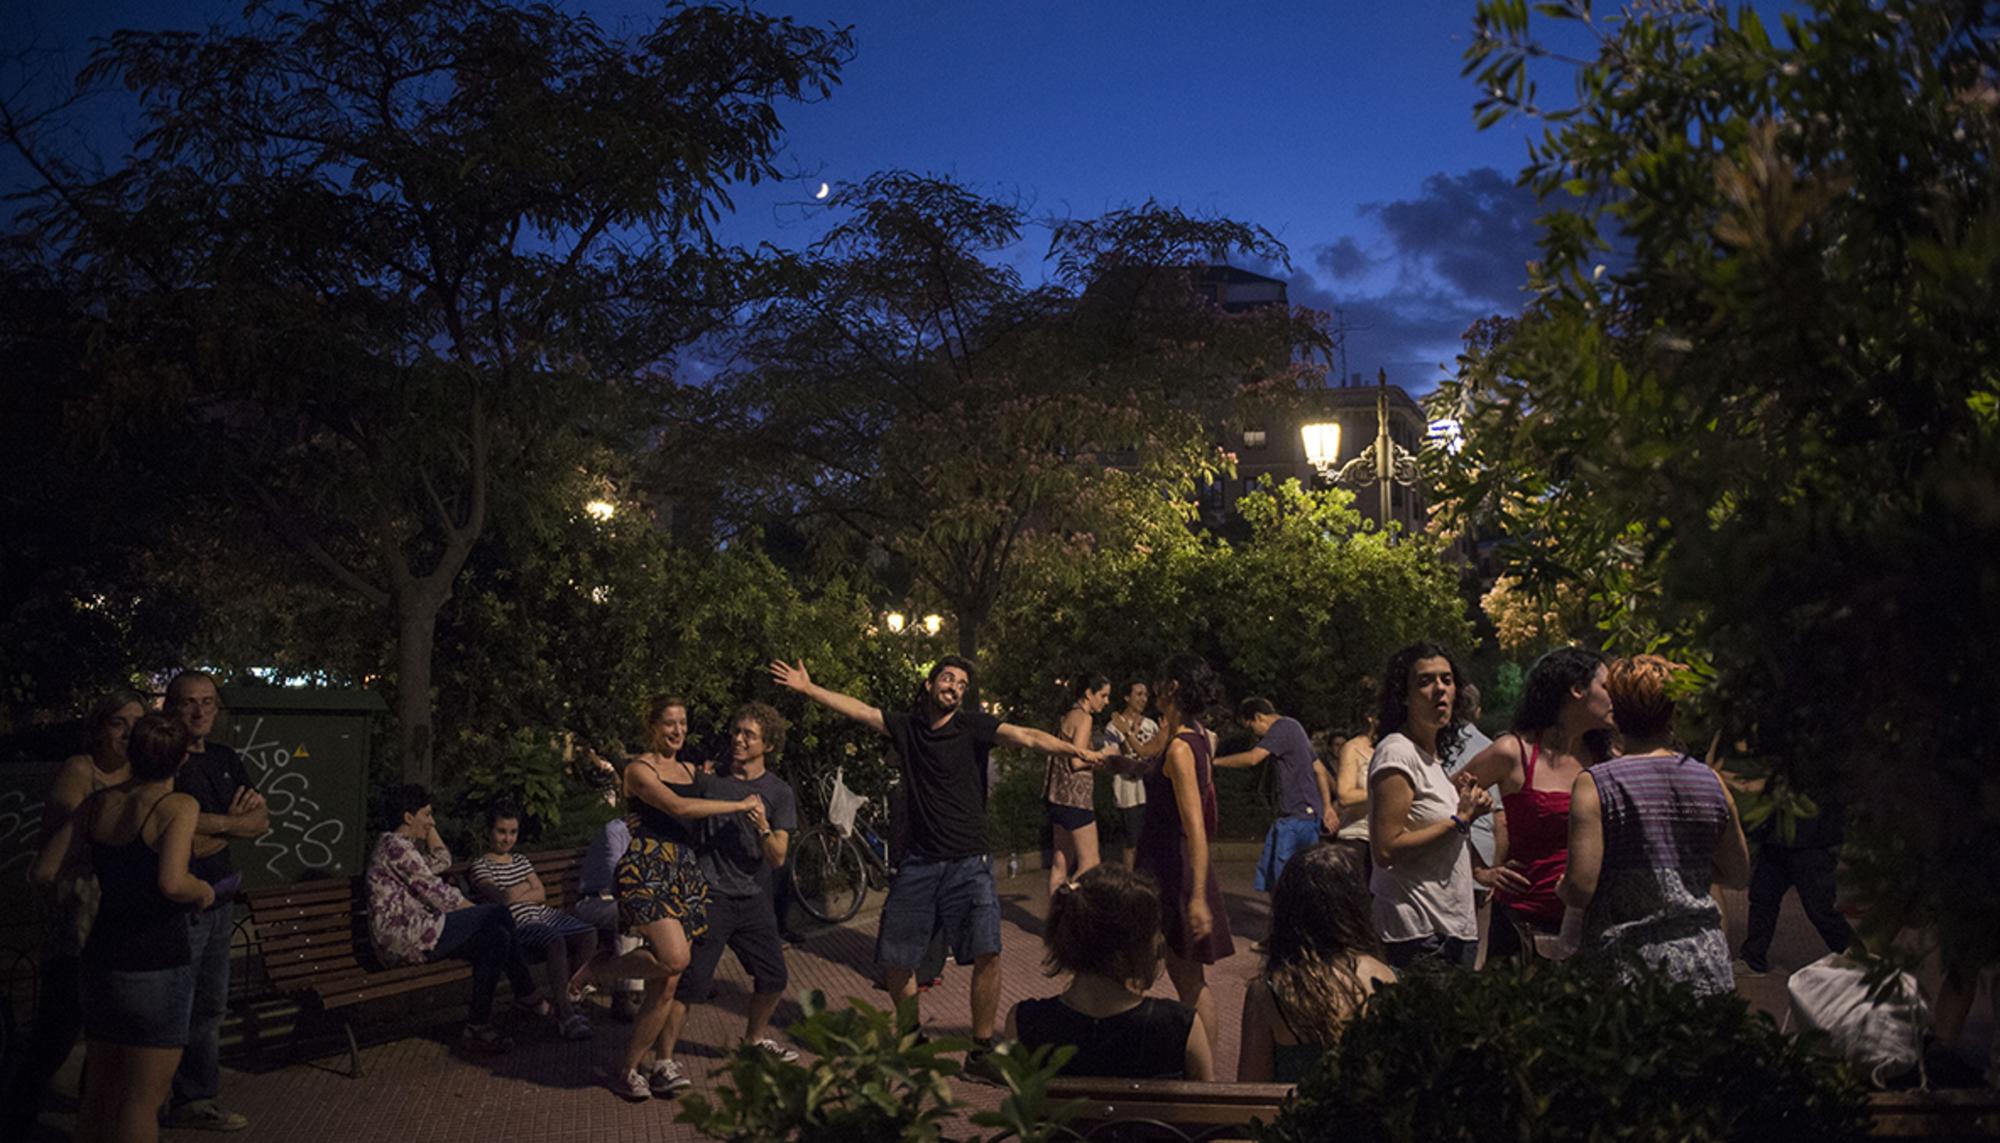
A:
[1346,129]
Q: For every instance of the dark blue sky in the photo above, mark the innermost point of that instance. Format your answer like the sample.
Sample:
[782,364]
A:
[1346,129]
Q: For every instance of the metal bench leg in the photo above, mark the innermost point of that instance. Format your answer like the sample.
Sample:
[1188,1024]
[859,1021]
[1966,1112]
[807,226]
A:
[353,1051]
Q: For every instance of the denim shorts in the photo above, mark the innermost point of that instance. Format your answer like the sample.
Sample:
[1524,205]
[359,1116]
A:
[955,896]
[142,1009]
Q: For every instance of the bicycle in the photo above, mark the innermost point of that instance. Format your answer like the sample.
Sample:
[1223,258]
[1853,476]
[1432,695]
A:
[835,863]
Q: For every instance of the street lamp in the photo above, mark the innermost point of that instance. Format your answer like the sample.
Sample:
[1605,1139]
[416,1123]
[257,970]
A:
[601,510]
[896,621]
[1384,461]
[933,623]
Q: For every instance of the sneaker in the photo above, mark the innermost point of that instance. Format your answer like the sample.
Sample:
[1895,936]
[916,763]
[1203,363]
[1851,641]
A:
[632,1086]
[775,1048]
[982,1064]
[576,1027]
[666,1079]
[484,1040]
[1744,966]
[204,1115]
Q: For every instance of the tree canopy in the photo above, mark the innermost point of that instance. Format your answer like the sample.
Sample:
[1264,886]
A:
[1754,407]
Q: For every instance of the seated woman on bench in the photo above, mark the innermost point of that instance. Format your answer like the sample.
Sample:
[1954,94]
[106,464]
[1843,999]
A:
[1323,963]
[507,878]
[415,916]
[1104,930]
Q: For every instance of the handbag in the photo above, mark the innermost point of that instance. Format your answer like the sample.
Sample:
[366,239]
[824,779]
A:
[1883,1037]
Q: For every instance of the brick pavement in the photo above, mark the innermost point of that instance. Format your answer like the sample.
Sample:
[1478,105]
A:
[419,1090]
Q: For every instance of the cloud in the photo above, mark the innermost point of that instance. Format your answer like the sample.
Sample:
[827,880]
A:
[1454,253]
[1475,230]
[1343,259]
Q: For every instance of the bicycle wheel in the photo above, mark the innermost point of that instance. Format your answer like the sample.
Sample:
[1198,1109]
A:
[827,874]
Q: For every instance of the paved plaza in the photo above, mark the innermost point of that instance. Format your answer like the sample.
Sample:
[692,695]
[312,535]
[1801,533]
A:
[419,1089]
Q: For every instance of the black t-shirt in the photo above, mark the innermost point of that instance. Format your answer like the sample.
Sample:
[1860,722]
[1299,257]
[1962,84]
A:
[730,852]
[212,778]
[944,771]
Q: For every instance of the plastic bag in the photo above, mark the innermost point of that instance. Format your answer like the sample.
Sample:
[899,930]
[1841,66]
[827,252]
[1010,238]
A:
[842,807]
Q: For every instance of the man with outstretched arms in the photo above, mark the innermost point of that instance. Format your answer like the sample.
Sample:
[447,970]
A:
[946,881]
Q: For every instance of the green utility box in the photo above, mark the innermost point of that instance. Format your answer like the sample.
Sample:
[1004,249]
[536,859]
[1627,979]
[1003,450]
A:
[307,752]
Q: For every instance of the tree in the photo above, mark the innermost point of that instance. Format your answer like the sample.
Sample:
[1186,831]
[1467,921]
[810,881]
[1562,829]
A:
[913,395]
[1776,423]
[1300,612]
[382,265]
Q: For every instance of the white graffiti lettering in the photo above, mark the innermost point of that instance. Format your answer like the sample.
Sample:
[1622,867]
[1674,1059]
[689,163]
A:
[301,835]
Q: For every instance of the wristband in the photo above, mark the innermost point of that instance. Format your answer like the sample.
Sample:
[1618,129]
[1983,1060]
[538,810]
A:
[1460,824]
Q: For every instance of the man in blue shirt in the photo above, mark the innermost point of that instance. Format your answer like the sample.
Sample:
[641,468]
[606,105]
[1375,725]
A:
[1304,796]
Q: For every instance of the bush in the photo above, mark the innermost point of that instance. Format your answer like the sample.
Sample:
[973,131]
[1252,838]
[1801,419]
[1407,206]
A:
[875,1079]
[1570,1051]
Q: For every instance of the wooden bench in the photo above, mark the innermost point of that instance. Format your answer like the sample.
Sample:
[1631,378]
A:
[312,937]
[1176,1111]
[1167,1111]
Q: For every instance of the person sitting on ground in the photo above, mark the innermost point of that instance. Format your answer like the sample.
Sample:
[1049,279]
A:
[1324,961]
[1104,930]
[137,976]
[415,916]
[1649,832]
[504,877]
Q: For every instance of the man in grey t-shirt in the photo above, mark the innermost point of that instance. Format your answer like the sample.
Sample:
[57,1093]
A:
[737,853]
[1303,789]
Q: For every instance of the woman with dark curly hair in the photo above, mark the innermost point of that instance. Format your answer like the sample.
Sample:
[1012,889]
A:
[1173,841]
[1418,817]
[1323,963]
[1564,726]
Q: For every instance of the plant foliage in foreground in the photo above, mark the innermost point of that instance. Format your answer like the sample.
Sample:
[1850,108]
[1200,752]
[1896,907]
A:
[1569,1051]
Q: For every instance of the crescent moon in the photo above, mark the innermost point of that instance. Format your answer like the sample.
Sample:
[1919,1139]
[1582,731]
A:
[823,191]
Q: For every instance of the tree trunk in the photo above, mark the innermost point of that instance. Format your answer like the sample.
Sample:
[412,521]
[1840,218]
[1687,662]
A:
[416,632]
[970,621]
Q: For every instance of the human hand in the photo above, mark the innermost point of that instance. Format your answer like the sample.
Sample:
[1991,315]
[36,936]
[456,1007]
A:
[205,897]
[1200,921]
[246,801]
[1473,801]
[755,815]
[792,676]
[1507,878]
[1329,820]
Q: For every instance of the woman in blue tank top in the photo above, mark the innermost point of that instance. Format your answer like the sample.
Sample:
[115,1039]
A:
[138,983]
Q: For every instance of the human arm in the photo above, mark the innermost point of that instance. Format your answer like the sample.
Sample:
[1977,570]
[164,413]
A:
[1586,844]
[1028,738]
[60,850]
[643,783]
[1187,800]
[1391,833]
[1500,875]
[1076,732]
[1197,1061]
[774,842]
[247,815]
[484,884]
[1350,784]
[1254,1055]
[66,793]
[176,846]
[401,858]
[793,676]
[538,893]
[1732,852]
[1242,759]
[1329,816]
[1498,765]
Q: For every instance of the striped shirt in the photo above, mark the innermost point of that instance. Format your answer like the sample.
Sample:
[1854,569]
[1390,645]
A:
[505,876]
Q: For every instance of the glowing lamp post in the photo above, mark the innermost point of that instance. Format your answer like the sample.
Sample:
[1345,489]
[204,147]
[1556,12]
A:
[1382,462]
